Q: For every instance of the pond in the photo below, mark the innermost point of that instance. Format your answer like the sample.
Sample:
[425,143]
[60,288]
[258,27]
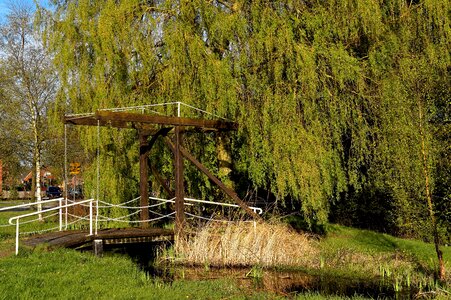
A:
[286,283]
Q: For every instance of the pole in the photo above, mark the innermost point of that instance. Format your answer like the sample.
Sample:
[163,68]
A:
[60,202]
[97,216]
[17,236]
[98,175]
[98,161]
[65,174]
[90,217]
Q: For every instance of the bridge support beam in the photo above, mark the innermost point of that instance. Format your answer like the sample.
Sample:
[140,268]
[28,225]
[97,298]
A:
[179,184]
[97,246]
[143,179]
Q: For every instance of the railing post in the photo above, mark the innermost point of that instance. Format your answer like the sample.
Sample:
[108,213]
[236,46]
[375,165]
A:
[17,236]
[90,217]
[65,213]
[61,213]
[97,215]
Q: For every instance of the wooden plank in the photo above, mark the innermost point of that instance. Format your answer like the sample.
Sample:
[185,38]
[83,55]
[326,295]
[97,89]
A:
[179,184]
[132,232]
[77,238]
[107,116]
[214,179]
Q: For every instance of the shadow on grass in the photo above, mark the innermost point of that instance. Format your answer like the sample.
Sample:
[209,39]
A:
[375,241]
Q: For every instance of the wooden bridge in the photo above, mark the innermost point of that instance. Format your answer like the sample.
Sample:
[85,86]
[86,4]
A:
[149,128]
[80,239]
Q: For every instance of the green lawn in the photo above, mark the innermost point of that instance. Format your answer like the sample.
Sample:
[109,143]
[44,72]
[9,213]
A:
[68,274]
[364,254]
[372,243]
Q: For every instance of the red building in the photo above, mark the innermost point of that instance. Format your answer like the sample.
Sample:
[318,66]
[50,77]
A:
[47,179]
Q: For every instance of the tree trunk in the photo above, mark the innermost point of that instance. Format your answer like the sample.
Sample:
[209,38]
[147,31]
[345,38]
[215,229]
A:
[37,152]
[441,265]
[33,180]
[225,161]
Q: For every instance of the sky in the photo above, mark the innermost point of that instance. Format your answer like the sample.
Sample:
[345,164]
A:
[4,4]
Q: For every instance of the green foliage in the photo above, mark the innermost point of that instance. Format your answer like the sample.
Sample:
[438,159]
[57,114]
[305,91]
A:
[327,93]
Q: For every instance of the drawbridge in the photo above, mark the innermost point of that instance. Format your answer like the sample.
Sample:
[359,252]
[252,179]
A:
[78,223]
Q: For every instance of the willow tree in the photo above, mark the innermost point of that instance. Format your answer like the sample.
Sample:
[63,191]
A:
[328,94]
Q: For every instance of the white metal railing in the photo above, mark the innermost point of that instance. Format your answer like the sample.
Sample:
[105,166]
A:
[16,220]
[6,208]
[257,210]
[60,208]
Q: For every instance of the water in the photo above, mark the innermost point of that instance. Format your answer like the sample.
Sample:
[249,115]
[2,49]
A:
[288,283]
[291,283]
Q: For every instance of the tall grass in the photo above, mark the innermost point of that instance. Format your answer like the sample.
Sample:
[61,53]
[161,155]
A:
[247,244]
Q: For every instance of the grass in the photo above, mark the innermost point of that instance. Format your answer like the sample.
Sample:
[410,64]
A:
[344,252]
[67,274]
[401,262]
[420,255]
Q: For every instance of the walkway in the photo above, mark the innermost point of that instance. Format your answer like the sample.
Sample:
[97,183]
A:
[113,236]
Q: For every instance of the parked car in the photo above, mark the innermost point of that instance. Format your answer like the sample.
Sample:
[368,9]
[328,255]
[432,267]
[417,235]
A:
[53,192]
[76,192]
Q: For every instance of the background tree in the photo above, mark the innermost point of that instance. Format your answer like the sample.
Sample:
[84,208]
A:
[11,138]
[31,84]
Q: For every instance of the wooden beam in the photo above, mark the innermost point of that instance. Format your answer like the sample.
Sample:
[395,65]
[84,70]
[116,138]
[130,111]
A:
[144,150]
[161,132]
[231,193]
[149,129]
[179,184]
[93,121]
[109,116]
[161,181]
[143,177]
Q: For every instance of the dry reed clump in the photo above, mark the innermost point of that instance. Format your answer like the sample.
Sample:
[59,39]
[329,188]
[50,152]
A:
[245,244]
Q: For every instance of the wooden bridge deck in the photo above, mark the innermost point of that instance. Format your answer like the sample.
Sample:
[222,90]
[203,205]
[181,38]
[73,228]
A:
[114,236]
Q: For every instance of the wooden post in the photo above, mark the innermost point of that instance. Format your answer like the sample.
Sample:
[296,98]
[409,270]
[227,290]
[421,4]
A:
[143,177]
[179,184]
[97,244]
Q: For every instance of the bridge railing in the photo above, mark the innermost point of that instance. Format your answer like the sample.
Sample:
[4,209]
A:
[16,220]
[257,210]
[6,208]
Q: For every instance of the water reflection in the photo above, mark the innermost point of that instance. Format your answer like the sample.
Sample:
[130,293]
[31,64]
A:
[288,283]
[293,283]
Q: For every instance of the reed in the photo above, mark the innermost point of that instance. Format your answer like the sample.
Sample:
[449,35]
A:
[248,244]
